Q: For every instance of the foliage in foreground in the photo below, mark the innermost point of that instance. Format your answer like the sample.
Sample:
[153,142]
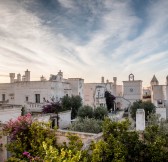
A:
[122,145]
[26,135]
[89,125]
[35,142]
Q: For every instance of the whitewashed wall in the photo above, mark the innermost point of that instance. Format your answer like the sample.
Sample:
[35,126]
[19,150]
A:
[9,113]
[161,112]
[132,90]
[64,119]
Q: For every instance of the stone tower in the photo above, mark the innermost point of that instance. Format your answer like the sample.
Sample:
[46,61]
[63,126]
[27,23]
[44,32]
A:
[132,89]
[154,81]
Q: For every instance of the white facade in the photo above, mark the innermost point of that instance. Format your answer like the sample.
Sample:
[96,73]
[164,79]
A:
[33,94]
[64,118]
[159,93]
[77,86]
[163,112]
[94,92]
[132,89]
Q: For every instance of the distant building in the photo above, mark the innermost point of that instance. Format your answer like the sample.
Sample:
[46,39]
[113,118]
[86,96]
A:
[94,92]
[132,89]
[159,93]
[32,94]
[147,94]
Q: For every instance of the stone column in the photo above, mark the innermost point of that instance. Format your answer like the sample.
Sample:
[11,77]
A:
[140,120]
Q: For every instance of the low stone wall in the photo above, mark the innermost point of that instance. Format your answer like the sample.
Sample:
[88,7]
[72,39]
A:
[85,137]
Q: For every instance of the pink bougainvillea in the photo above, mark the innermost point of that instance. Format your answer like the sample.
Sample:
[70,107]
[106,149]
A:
[15,127]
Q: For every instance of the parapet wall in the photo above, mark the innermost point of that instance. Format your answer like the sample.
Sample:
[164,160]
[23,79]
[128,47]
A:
[85,137]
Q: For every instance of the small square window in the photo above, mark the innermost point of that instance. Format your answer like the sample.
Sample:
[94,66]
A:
[159,102]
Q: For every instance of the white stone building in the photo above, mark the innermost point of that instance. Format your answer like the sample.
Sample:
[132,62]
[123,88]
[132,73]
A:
[32,94]
[132,89]
[94,92]
[159,93]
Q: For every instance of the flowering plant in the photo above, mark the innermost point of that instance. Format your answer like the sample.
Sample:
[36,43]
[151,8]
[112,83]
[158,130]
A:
[31,158]
[18,127]
[26,134]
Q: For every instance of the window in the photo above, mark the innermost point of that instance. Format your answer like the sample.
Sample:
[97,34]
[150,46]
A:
[3,97]
[27,98]
[131,90]
[98,94]
[37,98]
[159,102]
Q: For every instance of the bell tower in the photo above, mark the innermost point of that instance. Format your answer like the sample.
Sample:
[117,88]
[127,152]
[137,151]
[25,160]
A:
[132,89]
[131,77]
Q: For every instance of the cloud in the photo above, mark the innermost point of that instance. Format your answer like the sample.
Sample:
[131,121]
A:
[84,38]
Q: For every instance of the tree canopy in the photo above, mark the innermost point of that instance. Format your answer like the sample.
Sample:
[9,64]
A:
[73,102]
[146,105]
[110,100]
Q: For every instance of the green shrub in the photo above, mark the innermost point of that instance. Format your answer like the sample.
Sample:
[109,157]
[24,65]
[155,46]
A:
[87,125]
[148,107]
[85,111]
[100,113]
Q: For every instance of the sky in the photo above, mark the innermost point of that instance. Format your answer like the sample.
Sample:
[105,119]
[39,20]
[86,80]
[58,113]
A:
[85,38]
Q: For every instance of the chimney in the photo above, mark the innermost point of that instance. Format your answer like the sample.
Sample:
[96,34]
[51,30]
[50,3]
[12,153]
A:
[115,80]
[18,77]
[60,73]
[42,78]
[27,75]
[107,81]
[12,77]
[102,79]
